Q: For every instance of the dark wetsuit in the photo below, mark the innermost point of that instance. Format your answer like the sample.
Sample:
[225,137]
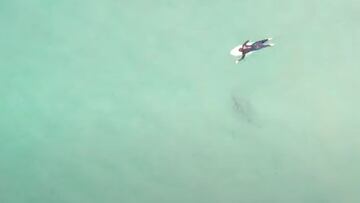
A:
[253,47]
[259,45]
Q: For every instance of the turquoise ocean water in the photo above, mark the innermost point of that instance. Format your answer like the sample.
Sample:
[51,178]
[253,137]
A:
[140,102]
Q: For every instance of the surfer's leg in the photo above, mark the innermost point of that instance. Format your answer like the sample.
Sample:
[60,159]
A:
[263,45]
[257,45]
[263,41]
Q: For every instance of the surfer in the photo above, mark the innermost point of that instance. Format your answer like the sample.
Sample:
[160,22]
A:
[248,47]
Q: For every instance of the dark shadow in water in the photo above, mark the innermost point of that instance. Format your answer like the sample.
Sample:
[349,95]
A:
[245,111]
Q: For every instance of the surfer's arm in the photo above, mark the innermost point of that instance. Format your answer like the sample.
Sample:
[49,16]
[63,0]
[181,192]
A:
[245,43]
[239,59]
[242,57]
